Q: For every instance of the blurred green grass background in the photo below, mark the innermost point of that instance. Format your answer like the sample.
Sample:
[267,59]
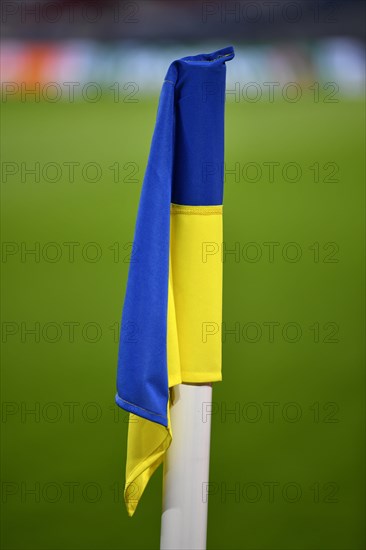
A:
[321,454]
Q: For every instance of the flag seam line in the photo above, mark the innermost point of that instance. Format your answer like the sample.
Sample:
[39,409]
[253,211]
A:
[196,210]
[141,408]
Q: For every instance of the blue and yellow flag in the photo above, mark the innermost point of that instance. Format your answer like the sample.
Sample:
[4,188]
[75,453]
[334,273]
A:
[173,291]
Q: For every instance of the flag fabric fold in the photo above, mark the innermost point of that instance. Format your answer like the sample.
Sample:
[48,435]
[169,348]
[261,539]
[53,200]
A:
[173,300]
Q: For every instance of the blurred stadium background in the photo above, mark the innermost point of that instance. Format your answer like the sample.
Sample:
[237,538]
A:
[79,84]
[120,41]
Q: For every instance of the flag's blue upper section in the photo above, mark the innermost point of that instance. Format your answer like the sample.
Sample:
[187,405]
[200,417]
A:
[185,166]
[199,127]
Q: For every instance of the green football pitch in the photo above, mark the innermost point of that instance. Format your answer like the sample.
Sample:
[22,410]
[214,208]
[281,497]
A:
[287,461]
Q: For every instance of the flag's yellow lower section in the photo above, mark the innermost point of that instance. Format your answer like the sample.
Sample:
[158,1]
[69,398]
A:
[193,344]
[196,282]
[146,446]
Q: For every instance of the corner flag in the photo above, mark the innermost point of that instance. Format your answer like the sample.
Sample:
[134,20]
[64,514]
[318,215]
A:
[174,289]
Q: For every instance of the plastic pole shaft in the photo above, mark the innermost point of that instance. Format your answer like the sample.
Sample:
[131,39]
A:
[186,470]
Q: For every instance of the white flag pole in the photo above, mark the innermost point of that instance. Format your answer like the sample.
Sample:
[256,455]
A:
[186,470]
